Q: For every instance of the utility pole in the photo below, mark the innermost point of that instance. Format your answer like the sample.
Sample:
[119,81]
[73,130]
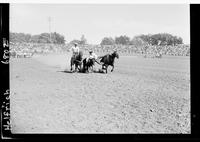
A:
[49,19]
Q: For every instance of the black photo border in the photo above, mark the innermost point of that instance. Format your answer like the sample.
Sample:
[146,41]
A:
[194,74]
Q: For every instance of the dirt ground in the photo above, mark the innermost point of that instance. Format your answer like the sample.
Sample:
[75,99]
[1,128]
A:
[142,95]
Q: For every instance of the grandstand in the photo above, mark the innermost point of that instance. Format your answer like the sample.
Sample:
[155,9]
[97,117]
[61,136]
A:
[148,50]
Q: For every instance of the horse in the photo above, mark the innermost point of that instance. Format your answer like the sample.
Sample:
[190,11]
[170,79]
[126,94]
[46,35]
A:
[88,64]
[77,61]
[108,59]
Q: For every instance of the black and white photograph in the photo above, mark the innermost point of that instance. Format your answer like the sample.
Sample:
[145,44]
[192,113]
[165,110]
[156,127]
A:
[99,68]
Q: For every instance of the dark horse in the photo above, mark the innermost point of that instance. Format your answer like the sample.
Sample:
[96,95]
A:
[77,61]
[108,59]
[88,64]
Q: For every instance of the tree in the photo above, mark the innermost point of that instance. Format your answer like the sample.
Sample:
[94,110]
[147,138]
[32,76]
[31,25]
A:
[57,38]
[107,41]
[13,37]
[124,40]
[137,41]
[35,38]
[180,40]
[75,41]
[83,40]
[161,39]
[146,38]
[44,38]
[41,38]
[19,37]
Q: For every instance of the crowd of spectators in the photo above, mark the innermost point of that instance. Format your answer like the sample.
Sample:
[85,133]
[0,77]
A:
[178,50]
[36,47]
[41,48]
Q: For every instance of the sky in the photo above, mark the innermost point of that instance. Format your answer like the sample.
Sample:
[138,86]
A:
[96,21]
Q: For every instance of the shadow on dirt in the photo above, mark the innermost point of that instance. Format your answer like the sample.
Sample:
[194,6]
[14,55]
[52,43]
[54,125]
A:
[66,71]
[99,71]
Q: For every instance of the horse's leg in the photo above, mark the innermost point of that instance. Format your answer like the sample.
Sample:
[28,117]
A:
[112,68]
[86,69]
[76,66]
[92,69]
[71,66]
[103,66]
[106,69]
[79,67]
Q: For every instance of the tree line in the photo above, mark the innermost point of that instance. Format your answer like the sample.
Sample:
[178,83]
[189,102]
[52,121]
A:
[55,38]
[155,39]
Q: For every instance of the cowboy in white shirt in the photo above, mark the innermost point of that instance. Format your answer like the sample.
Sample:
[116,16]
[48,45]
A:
[75,50]
[92,55]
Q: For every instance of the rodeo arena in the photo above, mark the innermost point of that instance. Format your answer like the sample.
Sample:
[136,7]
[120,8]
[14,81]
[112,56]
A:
[126,89]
